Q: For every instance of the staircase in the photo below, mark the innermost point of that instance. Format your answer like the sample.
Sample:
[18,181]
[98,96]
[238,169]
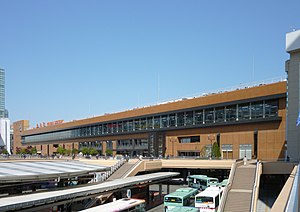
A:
[239,197]
[124,170]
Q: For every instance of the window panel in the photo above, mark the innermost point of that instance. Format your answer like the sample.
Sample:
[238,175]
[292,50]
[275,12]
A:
[220,114]
[180,119]
[244,111]
[209,115]
[198,117]
[231,113]
[172,120]
[189,118]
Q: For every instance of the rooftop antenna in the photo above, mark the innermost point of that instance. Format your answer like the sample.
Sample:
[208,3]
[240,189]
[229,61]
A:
[253,67]
[158,88]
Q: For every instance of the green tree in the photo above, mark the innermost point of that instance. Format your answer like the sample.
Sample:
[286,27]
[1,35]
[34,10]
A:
[4,151]
[216,150]
[18,150]
[93,151]
[33,151]
[61,150]
[109,152]
[68,152]
[85,150]
[75,151]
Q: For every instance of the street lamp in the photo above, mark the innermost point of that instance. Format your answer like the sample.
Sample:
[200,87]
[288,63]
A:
[211,138]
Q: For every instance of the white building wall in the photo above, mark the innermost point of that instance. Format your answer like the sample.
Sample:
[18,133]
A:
[5,133]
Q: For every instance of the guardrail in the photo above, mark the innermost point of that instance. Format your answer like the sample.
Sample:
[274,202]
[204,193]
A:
[102,176]
[293,202]
[228,187]
[255,187]
[133,167]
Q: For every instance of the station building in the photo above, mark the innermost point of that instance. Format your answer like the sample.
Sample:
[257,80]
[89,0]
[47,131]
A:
[249,121]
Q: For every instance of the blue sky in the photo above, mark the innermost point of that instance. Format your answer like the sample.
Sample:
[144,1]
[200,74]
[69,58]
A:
[73,59]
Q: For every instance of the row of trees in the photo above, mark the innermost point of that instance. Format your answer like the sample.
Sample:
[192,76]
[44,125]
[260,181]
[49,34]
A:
[62,151]
[28,150]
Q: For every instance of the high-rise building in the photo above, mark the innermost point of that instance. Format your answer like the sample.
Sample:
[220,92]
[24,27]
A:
[3,112]
[5,134]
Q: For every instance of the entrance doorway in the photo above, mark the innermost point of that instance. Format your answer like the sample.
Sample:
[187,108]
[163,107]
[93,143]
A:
[246,150]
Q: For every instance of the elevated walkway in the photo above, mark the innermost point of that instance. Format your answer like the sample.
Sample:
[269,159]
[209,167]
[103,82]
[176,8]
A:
[240,195]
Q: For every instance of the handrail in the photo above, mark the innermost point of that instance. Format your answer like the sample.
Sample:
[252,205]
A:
[228,186]
[293,202]
[255,186]
[129,170]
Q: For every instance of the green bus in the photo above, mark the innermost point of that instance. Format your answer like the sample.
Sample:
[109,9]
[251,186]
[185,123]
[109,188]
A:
[201,182]
[181,197]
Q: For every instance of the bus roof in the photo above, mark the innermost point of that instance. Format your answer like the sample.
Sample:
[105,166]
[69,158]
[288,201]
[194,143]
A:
[117,205]
[202,177]
[210,191]
[197,176]
[184,209]
[183,192]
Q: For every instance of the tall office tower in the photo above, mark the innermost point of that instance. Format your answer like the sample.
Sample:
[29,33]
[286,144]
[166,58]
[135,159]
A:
[5,134]
[293,97]
[3,112]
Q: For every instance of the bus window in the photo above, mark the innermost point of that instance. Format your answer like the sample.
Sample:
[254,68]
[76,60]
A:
[173,199]
[208,200]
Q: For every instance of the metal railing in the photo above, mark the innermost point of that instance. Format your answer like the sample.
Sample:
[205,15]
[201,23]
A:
[102,176]
[228,187]
[255,187]
[293,202]
[132,168]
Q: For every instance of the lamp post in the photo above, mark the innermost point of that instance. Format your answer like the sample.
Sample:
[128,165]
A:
[211,138]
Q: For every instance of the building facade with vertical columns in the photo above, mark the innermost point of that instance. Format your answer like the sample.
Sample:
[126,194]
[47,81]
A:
[248,121]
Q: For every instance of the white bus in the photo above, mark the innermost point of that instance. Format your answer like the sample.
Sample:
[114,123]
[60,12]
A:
[209,199]
[125,204]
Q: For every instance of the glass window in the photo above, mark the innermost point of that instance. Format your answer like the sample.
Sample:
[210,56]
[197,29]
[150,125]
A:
[189,118]
[120,126]
[150,123]
[130,126]
[180,119]
[209,116]
[257,110]
[231,113]
[137,125]
[125,126]
[104,128]
[220,115]
[271,108]
[172,120]
[114,127]
[199,117]
[100,129]
[244,111]
[110,128]
[156,122]
[164,121]
[143,124]
[89,131]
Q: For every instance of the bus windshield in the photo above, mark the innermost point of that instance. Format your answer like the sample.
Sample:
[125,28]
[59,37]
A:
[204,200]
[173,199]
